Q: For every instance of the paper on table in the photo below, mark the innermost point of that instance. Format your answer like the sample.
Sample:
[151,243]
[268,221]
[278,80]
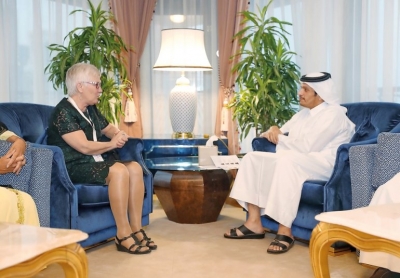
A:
[226,162]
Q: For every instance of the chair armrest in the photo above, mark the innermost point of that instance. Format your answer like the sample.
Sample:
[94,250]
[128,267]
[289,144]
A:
[62,192]
[338,188]
[261,144]
[361,168]
[59,174]
[132,150]
[40,182]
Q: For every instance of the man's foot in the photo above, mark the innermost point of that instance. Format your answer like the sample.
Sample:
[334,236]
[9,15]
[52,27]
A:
[281,244]
[243,232]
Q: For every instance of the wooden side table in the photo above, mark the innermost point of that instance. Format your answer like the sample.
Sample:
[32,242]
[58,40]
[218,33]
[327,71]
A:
[192,197]
[188,193]
[374,228]
[28,249]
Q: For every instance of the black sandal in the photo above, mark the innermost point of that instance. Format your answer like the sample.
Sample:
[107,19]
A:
[147,239]
[247,234]
[137,251]
[278,242]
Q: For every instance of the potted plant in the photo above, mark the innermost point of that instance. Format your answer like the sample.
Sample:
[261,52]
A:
[99,46]
[267,78]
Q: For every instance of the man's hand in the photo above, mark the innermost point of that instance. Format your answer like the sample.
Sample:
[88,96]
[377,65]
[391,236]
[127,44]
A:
[272,134]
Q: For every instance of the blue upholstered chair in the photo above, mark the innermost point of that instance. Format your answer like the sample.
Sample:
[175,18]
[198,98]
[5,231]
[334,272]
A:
[370,118]
[34,178]
[74,206]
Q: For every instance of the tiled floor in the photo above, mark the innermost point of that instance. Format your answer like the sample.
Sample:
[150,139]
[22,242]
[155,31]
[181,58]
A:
[199,250]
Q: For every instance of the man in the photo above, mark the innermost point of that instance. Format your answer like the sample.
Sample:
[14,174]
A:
[387,193]
[271,183]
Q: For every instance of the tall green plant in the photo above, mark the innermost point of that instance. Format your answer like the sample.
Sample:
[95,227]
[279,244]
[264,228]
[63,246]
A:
[267,78]
[99,46]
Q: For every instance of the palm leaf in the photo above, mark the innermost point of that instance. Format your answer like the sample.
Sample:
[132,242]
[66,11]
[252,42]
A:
[95,44]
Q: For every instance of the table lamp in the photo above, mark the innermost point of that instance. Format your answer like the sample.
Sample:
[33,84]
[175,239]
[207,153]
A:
[182,50]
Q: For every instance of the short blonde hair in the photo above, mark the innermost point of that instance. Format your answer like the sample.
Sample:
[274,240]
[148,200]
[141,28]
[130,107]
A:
[78,73]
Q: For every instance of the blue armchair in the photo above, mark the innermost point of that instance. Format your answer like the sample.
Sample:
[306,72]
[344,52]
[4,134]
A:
[370,118]
[75,206]
[34,178]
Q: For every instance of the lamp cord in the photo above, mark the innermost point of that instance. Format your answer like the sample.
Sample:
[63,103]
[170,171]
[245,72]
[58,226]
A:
[224,144]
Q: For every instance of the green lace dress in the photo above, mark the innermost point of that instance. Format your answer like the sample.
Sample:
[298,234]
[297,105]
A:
[81,168]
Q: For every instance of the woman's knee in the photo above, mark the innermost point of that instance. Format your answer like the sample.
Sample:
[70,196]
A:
[134,168]
[119,170]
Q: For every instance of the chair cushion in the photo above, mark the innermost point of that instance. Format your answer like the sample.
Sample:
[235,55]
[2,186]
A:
[92,194]
[365,131]
[387,158]
[313,192]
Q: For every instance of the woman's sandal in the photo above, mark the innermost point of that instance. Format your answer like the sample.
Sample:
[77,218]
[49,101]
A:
[137,251]
[147,239]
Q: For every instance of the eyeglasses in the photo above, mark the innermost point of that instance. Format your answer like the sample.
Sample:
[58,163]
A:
[96,84]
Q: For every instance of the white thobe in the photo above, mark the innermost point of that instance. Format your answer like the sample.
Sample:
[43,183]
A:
[273,181]
[387,193]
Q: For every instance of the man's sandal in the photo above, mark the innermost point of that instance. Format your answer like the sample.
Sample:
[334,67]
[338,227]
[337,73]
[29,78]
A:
[149,242]
[129,250]
[278,242]
[247,234]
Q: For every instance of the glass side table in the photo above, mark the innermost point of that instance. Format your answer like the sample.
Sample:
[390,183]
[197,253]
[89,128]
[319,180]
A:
[162,146]
[188,193]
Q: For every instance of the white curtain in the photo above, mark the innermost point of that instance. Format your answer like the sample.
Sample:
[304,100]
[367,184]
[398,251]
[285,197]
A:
[156,85]
[27,27]
[357,41]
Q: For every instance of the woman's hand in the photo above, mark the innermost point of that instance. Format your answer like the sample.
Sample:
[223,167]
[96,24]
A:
[15,156]
[119,139]
[3,166]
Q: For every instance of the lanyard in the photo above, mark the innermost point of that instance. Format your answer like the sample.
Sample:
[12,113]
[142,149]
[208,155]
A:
[83,115]
[96,157]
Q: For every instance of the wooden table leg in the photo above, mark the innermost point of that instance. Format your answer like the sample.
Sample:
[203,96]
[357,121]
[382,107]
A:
[72,259]
[325,234]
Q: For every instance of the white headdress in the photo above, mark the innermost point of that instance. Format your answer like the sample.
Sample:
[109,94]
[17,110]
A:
[323,85]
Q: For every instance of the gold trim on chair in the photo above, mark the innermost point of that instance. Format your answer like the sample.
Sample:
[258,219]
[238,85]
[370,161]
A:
[20,205]
[325,234]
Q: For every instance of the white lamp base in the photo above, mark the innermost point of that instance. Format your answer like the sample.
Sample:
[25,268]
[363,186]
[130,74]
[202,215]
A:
[182,108]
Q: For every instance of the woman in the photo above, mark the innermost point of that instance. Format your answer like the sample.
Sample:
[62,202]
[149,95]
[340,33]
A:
[15,206]
[75,126]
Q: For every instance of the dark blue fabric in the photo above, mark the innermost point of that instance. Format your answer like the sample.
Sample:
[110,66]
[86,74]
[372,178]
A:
[365,131]
[80,206]
[370,118]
